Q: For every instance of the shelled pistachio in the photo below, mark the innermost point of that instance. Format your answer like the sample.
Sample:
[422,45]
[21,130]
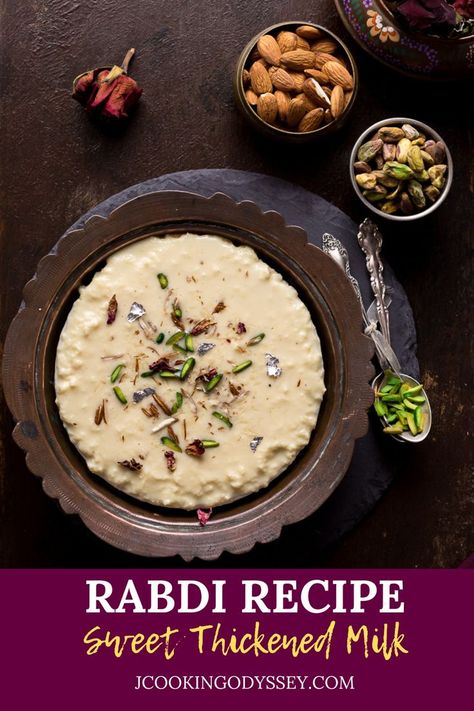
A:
[400,170]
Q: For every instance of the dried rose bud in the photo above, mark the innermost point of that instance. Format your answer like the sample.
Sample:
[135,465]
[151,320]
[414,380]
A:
[108,93]
[170,461]
[202,327]
[241,327]
[203,516]
[161,364]
[195,449]
[131,464]
[112,310]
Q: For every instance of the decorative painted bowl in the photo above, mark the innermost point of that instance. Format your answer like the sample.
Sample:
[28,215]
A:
[373,25]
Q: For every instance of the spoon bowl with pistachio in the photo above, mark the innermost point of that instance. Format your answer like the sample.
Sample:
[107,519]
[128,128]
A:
[400,400]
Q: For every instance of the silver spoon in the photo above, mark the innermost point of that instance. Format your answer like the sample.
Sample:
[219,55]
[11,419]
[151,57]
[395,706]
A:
[385,354]
[370,241]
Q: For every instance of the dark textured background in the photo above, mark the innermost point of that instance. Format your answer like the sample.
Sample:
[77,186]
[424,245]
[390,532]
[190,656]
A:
[55,166]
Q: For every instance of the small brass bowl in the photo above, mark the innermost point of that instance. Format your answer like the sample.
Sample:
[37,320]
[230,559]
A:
[277,132]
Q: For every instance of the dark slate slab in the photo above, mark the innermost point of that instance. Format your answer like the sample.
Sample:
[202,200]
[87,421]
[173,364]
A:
[373,465]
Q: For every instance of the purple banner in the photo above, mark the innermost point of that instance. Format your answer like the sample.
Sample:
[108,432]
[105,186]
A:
[215,639]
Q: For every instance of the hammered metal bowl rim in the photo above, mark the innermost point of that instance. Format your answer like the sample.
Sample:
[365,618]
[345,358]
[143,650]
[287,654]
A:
[136,530]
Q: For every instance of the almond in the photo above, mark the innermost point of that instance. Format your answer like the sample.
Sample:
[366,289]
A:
[317,74]
[323,45]
[299,79]
[308,104]
[328,117]
[337,101]
[296,110]
[283,102]
[251,97]
[337,74]
[298,59]
[287,41]
[245,77]
[269,49]
[320,59]
[260,79]
[308,32]
[315,92]
[267,107]
[302,44]
[311,121]
[282,79]
[347,98]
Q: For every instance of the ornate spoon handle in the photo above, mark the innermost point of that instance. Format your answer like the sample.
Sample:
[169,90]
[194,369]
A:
[385,354]
[370,241]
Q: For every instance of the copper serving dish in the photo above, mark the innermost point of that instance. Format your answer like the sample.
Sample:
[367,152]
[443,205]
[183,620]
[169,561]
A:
[137,527]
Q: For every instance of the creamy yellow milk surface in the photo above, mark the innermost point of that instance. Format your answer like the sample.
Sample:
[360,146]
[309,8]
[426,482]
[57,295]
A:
[224,289]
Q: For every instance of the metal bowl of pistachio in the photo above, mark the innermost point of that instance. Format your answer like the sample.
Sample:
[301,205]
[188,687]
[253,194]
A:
[401,169]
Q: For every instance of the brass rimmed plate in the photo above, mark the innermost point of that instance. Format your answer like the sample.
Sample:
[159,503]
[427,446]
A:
[28,370]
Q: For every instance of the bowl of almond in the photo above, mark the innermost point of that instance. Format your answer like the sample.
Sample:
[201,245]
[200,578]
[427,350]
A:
[296,81]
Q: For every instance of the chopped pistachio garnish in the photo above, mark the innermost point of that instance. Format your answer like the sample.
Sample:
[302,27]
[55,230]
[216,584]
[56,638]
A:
[187,368]
[168,442]
[119,394]
[163,279]
[178,403]
[256,339]
[400,406]
[213,382]
[180,349]
[223,418]
[242,366]
[175,338]
[115,374]
[148,374]
[160,338]
[177,310]
[209,443]
[167,374]
[188,342]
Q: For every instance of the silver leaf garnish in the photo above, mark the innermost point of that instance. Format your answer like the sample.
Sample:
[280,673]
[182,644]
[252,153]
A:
[140,395]
[273,366]
[205,348]
[136,310]
[254,443]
